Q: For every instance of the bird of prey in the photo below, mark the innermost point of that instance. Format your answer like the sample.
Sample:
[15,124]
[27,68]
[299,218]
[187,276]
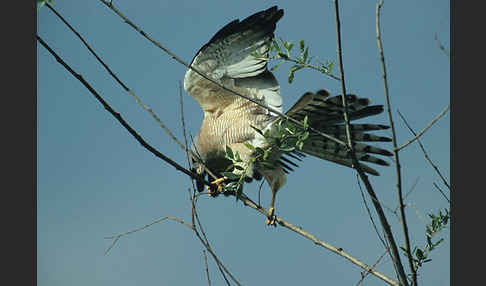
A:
[230,120]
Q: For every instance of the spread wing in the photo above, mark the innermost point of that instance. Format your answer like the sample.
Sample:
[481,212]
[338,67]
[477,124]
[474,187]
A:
[227,59]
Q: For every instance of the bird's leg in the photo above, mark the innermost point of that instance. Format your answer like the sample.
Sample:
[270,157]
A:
[272,218]
[219,183]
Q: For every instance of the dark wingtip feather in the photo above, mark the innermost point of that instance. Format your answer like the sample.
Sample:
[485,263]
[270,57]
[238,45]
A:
[266,19]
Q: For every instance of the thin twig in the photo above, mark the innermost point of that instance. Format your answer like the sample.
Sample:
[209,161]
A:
[369,212]
[186,148]
[395,154]
[204,240]
[115,238]
[417,136]
[179,60]
[386,227]
[137,99]
[441,47]
[406,196]
[117,115]
[311,67]
[248,202]
[363,275]
[437,187]
[206,265]
[423,150]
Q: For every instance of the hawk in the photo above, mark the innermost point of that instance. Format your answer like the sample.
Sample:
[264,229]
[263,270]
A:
[232,121]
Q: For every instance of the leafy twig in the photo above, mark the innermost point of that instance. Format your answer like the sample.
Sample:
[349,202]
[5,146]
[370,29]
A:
[438,222]
[283,52]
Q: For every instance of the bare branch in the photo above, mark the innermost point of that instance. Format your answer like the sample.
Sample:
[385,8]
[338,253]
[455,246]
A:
[386,227]
[118,236]
[148,109]
[117,115]
[402,275]
[339,251]
[423,148]
[417,136]
[206,265]
[363,275]
[204,240]
[369,212]
[437,187]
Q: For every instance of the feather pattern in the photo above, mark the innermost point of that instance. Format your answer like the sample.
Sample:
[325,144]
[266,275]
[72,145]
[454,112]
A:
[326,114]
[230,121]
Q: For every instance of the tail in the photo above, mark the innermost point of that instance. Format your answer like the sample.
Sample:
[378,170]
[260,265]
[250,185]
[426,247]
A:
[326,114]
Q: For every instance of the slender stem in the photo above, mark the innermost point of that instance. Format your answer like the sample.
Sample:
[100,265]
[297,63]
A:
[417,136]
[386,227]
[117,115]
[423,150]
[248,202]
[395,153]
[206,266]
[137,99]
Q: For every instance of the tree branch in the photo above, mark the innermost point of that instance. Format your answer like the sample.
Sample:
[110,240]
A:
[117,115]
[339,251]
[402,276]
[148,109]
[206,266]
[417,136]
[386,227]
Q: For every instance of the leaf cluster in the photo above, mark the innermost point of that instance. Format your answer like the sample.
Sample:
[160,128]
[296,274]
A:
[285,137]
[437,223]
[283,51]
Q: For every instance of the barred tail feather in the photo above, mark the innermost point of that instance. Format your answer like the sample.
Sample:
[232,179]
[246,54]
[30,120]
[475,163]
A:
[326,114]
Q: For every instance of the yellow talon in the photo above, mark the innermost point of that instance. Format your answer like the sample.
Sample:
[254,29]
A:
[271,219]
[218,183]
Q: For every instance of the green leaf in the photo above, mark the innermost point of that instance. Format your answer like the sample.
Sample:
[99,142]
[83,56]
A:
[301,46]
[287,148]
[289,46]
[229,153]
[238,167]
[419,253]
[231,176]
[249,146]
[282,55]
[300,145]
[237,157]
[275,67]
[306,53]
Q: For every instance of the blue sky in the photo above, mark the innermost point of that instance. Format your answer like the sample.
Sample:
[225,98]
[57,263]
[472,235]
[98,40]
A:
[94,179]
